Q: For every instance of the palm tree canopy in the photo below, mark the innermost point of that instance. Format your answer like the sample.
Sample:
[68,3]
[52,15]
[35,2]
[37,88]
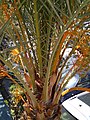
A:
[39,32]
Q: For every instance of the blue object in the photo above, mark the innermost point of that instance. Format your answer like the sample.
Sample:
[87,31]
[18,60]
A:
[4,110]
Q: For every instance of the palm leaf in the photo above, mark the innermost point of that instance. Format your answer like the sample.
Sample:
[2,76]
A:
[41,32]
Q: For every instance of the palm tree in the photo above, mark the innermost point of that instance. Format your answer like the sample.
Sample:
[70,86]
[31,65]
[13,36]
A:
[41,31]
